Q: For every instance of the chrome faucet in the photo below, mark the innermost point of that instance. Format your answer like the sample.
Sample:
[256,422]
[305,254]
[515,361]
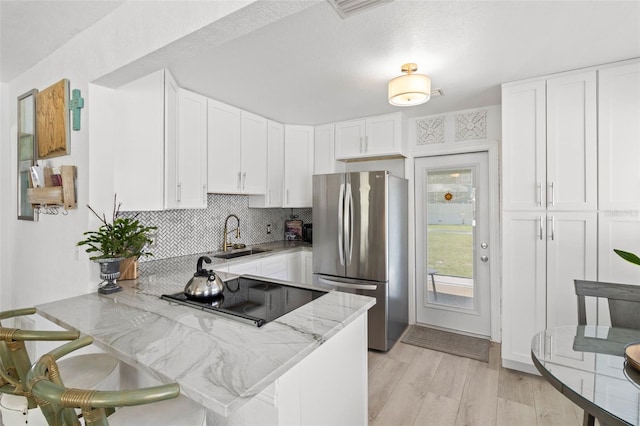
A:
[225,244]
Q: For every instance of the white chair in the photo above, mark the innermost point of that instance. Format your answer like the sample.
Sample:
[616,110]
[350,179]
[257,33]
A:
[167,406]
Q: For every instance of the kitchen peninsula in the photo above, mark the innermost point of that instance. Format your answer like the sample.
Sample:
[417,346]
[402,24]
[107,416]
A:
[285,372]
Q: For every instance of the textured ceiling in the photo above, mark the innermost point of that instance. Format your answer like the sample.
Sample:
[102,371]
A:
[313,67]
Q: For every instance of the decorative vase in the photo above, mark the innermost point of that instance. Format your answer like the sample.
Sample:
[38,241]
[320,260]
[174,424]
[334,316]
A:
[109,272]
[129,268]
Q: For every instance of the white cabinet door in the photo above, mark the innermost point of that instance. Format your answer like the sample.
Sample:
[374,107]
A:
[524,146]
[223,156]
[298,166]
[192,150]
[324,159]
[383,135]
[618,137]
[523,283]
[571,142]
[274,195]
[377,136]
[253,267]
[349,139]
[253,157]
[307,261]
[171,154]
[276,267]
[139,169]
[571,254]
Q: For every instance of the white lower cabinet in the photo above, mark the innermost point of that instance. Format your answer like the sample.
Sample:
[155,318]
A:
[328,387]
[542,254]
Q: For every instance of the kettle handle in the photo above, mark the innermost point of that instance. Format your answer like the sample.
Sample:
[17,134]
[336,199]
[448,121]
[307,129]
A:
[200,260]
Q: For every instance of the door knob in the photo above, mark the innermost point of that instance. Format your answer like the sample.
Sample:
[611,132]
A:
[484,258]
[484,245]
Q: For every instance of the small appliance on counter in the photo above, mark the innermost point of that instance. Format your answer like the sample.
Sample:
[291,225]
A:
[307,232]
[293,229]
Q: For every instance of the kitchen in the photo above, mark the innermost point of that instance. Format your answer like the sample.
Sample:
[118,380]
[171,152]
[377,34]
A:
[51,241]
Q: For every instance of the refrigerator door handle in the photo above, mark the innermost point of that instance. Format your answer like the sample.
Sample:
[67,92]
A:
[348,226]
[340,224]
[371,287]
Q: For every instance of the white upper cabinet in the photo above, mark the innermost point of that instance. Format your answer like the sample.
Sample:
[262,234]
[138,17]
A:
[298,166]
[619,137]
[237,148]
[572,178]
[151,152]
[324,158]
[378,136]
[253,155]
[192,150]
[549,144]
[223,147]
[275,169]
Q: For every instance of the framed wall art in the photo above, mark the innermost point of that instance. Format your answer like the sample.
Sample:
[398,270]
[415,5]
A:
[52,120]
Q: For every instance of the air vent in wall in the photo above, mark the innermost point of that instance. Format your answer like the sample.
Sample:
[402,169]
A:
[347,8]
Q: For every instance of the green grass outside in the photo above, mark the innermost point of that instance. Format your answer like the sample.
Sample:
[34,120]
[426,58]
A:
[450,250]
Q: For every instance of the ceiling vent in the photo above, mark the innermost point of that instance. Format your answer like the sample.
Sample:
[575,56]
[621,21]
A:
[347,8]
[437,92]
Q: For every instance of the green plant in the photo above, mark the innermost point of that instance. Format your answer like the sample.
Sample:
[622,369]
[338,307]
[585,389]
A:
[122,238]
[629,257]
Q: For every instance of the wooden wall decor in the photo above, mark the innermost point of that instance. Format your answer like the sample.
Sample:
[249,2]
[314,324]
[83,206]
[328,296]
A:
[52,120]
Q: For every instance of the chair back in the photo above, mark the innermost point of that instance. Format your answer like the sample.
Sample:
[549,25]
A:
[58,402]
[14,358]
[623,299]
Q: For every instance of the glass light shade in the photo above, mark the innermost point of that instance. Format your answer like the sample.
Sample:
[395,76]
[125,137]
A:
[409,90]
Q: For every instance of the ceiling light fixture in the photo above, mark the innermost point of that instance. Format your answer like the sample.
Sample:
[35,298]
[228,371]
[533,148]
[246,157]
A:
[409,89]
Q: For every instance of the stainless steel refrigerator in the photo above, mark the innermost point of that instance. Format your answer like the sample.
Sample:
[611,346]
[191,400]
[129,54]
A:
[360,245]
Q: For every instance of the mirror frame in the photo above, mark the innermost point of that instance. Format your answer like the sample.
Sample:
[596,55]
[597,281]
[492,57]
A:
[27,152]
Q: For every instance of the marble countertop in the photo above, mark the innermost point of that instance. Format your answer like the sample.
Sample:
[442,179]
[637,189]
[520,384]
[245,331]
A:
[218,362]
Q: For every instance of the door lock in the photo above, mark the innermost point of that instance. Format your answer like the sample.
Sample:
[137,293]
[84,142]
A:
[484,258]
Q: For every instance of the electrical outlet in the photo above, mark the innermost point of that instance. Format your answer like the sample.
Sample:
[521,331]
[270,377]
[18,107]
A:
[268,228]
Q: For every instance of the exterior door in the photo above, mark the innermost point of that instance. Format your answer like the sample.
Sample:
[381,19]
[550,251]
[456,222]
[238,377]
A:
[452,242]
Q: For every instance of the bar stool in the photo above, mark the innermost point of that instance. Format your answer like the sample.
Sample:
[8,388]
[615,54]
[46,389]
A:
[96,370]
[58,402]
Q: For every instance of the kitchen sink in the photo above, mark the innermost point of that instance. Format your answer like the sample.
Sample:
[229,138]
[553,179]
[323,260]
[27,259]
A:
[240,253]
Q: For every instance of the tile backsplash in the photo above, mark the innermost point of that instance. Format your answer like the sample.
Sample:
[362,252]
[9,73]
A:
[184,232]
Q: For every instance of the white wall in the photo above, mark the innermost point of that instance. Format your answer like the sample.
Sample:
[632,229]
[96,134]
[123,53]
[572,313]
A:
[40,262]
[5,197]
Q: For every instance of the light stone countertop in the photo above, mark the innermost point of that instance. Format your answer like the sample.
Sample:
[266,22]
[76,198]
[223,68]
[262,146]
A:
[218,362]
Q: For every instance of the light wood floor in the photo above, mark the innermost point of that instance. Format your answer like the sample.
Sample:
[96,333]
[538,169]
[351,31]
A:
[413,386]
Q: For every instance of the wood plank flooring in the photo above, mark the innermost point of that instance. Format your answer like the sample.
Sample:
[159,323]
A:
[414,386]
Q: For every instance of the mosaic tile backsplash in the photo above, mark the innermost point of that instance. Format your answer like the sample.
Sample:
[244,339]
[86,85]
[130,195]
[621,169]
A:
[184,232]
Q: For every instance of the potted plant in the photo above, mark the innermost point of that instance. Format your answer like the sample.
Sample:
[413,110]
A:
[122,238]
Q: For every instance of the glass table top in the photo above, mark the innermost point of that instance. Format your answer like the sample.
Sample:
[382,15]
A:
[589,362]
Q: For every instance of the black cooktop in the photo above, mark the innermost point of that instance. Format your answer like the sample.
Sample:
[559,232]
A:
[251,300]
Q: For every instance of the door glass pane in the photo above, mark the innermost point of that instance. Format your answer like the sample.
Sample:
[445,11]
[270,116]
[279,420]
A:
[450,201]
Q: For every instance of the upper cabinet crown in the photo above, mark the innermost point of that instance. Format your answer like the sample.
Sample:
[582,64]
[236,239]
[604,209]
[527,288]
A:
[549,143]
[237,150]
[161,145]
[379,136]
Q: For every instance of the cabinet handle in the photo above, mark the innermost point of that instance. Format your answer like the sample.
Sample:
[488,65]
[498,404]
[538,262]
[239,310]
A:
[539,188]
[244,180]
[366,144]
[361,145]
[540,236]
[550,202]
[287,196]
[239,180]
[553,227]
[179,195]
[204,195]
